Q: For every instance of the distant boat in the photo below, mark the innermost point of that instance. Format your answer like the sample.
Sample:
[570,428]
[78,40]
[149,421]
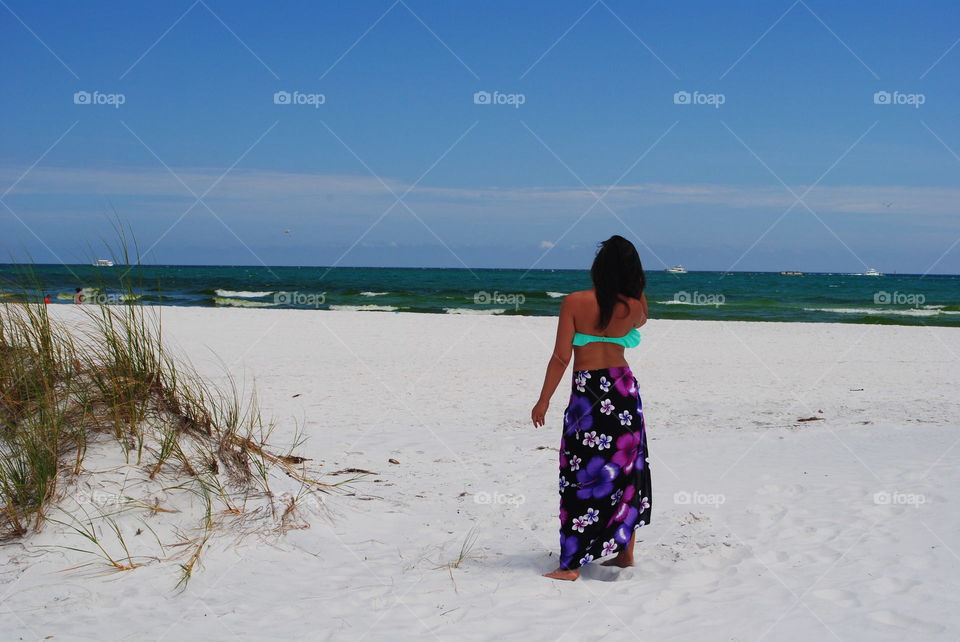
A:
[791,273]
[677,269]
[872,272]
[103,263]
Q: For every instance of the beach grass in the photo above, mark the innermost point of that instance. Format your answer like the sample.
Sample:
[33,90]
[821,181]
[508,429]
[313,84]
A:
[111,380]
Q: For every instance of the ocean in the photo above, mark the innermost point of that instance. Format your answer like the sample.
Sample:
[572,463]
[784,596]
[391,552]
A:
[901,299]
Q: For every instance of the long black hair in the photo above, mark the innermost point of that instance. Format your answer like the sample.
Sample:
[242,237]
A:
[616,273]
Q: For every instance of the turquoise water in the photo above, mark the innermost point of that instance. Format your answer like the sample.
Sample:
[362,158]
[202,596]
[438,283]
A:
[749,296]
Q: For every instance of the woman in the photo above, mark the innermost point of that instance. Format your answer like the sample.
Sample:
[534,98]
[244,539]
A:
[604,473]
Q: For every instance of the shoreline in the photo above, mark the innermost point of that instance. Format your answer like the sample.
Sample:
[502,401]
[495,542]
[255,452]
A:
[486,313]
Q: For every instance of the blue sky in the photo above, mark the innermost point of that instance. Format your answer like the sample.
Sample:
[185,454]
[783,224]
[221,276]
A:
[798,168]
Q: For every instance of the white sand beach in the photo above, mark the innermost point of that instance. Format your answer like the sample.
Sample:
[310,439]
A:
[763,527]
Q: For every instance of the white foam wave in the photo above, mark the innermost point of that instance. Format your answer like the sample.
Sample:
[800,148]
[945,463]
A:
[368,307]
[241,303]
[712,304]
[474,310]
[373,293]
[913,312]
[556,295]
[241,294]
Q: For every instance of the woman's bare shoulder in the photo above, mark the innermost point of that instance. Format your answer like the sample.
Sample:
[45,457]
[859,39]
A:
[579,298]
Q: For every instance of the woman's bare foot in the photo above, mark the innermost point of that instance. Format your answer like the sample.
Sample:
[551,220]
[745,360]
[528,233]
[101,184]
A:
[563,574]
[621,560]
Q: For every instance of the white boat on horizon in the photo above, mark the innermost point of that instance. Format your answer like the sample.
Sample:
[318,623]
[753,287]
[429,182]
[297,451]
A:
[871,272]
[677,269]
[103,263]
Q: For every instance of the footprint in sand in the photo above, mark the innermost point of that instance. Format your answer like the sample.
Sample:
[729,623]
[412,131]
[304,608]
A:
[769,514]
[609,573]
[839,597]
[774,557]
[669,598]
[891,586]
[891,618]
[695,579]
[919,562]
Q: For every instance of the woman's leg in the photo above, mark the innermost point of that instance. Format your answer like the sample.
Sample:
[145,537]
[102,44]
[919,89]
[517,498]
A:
[625,557]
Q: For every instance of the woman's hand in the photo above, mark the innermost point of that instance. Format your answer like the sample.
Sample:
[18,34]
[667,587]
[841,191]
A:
[539,412]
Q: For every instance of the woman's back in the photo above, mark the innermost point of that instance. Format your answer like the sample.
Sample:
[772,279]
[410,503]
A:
[626,315]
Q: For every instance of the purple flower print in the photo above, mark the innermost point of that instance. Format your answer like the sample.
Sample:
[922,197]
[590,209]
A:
[627,516]
[593,515]
[625,531]
[628,452]
[586,559]
[568,548]
[575,463]
[581,380]
[606,406]
[604,442]
[579,523]
[604,384]
[596,479]
[563,453]
[625,418]
[616,497]
[624,381]
[644,504]
[578,417]
[563,484]
[590,439]
[623,507]
[609,548]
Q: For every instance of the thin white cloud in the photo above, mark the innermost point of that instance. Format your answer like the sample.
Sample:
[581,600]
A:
[293,191]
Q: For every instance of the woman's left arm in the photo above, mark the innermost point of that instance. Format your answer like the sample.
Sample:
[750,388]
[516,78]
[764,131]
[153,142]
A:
[559,360]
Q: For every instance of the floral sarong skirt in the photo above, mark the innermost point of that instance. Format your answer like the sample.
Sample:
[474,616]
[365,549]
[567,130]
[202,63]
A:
[605,489]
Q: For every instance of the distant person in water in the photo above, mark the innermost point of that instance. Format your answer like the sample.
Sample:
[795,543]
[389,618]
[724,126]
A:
[46,299]
[605,488]
[78,297]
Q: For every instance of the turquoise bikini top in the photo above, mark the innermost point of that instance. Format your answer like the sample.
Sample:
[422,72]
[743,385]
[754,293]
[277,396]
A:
[629,340]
